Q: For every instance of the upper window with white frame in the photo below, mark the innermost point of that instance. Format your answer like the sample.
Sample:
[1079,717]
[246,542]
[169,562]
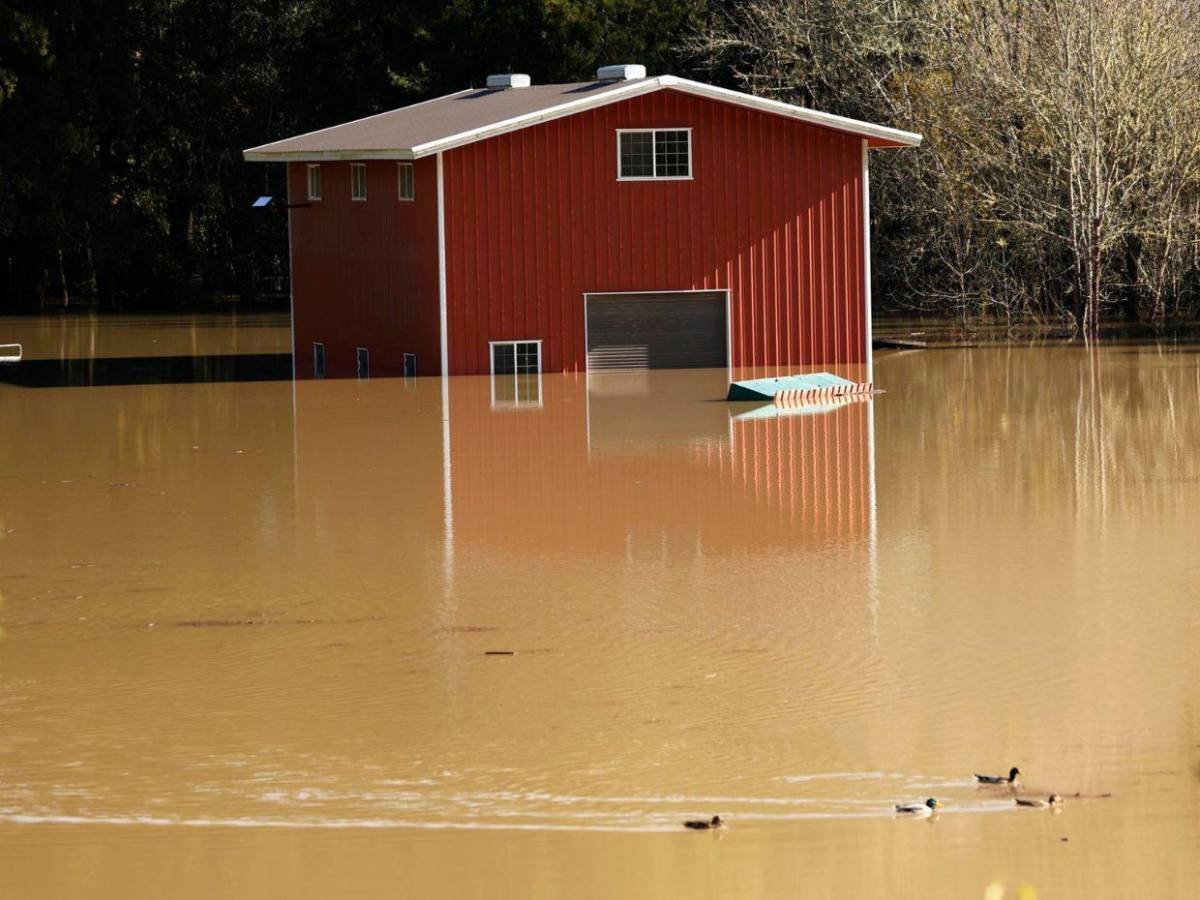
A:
[314,181]
[654,153]
[358,181]
[407,189]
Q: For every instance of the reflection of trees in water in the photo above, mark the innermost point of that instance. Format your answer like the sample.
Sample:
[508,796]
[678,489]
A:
[1042,430]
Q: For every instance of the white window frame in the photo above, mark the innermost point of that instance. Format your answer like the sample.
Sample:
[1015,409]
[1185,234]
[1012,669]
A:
[401,169]
[358,167]
[308,183]
[504,404]
[687,177]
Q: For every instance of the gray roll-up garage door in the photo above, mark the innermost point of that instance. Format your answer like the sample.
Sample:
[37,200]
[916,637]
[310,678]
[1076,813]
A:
[656,331]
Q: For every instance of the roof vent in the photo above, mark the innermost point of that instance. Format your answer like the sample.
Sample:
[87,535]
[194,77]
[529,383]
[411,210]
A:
[620,73]
[505,82]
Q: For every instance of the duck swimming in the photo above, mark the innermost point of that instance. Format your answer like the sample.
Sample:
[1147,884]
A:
[704,824]
[1000,779]
[1052,801]
[917,809]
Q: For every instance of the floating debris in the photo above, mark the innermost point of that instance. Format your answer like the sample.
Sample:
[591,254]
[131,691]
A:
[813,386]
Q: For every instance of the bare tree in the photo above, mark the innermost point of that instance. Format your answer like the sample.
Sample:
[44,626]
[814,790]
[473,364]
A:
[1061,168]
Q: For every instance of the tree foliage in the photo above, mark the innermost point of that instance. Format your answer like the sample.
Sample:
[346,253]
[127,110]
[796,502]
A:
[1059,178]
[1060,174]
[122,121]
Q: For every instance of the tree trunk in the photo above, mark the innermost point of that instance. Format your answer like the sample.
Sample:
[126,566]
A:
[1133,250]
[1093,299]
[62,280]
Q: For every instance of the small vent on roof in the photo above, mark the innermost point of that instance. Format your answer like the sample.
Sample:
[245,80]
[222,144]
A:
[620,73]
[505,82]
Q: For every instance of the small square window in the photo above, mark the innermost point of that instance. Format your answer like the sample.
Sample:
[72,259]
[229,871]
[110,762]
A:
[318,360]
[358,181]
[654,153]
[314,181]
[405,171]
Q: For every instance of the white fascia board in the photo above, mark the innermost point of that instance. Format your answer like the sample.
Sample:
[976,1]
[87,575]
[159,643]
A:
[263,152]
[633,89]
[624,92]
[776,107]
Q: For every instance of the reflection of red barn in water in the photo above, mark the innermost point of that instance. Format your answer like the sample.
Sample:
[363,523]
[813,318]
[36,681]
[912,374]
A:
[630,465]
[619,463]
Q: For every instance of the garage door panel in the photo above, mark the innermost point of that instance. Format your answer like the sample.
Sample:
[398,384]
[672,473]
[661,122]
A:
[656,331]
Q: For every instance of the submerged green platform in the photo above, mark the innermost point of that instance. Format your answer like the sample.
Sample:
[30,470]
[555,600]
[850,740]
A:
[767,388]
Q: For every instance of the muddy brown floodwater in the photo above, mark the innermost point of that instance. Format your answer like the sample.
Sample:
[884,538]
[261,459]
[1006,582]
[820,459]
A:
[247,631]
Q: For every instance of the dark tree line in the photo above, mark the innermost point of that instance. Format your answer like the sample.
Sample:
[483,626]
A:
[122,121]
[1059,180]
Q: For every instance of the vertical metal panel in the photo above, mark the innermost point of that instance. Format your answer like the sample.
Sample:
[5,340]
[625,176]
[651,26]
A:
[366,274]
[536,218]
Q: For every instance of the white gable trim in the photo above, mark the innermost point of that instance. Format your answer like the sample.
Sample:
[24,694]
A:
[803,114]
[687,86]
[633,89]
[842,124]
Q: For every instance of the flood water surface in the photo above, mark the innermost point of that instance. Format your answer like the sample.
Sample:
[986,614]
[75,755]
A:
[409,637]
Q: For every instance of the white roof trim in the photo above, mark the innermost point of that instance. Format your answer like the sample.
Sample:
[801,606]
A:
[632,89]
[827,120]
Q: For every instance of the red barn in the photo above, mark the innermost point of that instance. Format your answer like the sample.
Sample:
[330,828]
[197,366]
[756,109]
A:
[625,222]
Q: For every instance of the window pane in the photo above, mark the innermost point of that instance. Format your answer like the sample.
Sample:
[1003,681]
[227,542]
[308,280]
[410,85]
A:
[314,182]
[358,181]
[527,358]
[406,181]
[637,154]
[671,154]
[504,359]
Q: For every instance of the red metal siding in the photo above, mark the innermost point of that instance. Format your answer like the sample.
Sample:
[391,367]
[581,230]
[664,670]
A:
[536,218]
[365,274]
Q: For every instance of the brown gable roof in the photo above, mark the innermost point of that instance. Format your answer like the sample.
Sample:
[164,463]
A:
[475,114]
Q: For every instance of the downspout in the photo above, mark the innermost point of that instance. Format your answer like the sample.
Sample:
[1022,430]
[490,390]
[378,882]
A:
[866,220]
[441,226]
